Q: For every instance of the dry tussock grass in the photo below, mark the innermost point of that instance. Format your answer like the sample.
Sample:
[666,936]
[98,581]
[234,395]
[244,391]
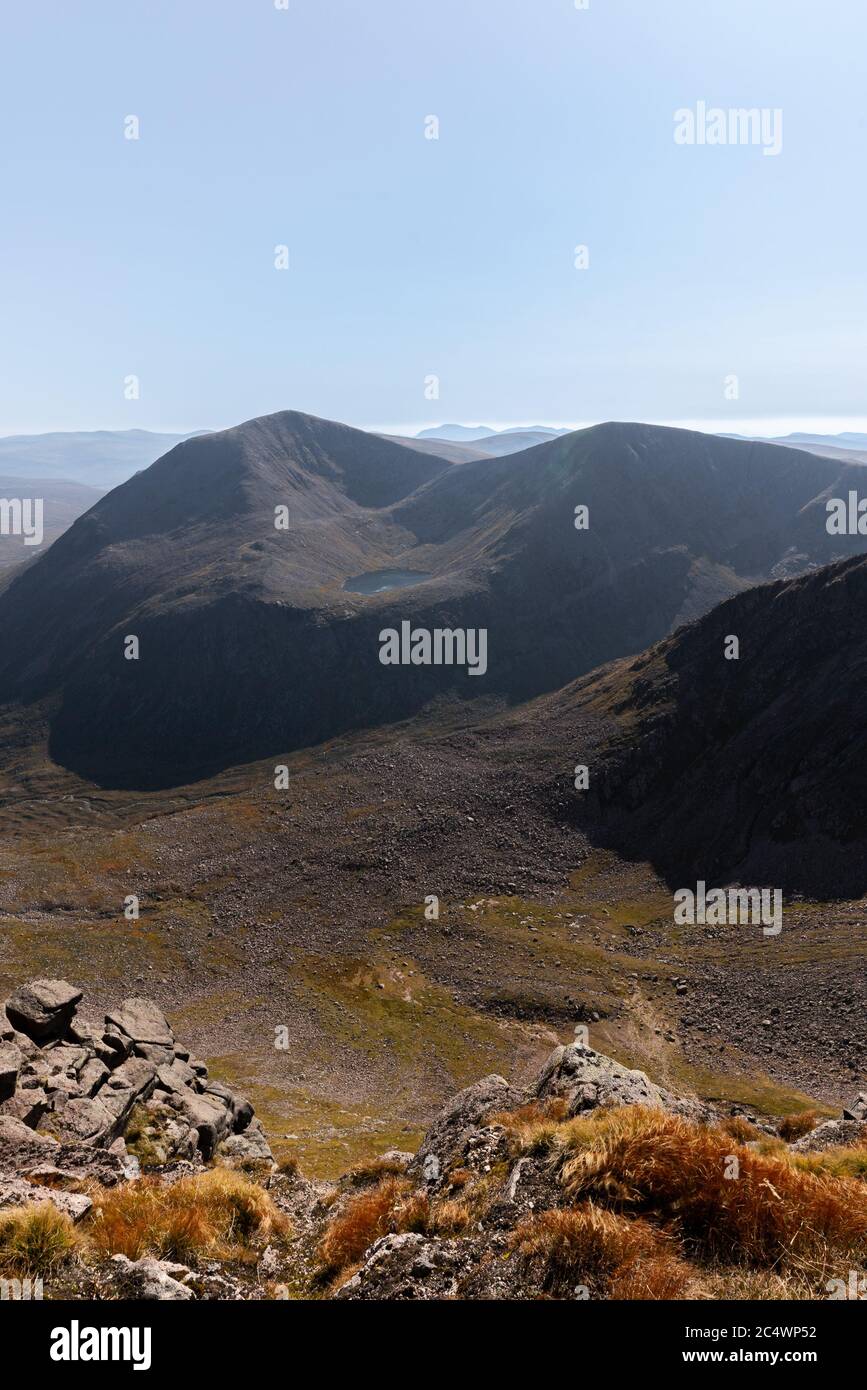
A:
[219,1210]
[449,1218]
[612,1255]
[736,1127]
[842,1162]
[772,1214]
[533,1128]
[794,1127]
[391,1207]
[367,1174]
[35,1240]
[753,1285]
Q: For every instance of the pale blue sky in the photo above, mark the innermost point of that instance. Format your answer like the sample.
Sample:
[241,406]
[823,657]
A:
[410,256]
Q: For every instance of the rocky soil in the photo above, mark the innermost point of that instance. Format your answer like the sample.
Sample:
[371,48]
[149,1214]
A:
[306,909]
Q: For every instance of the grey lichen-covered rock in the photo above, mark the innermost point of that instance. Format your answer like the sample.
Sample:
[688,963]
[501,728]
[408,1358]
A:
[83,1120]
[14,1132]
[27,1105]
[239,1107]
[408,1267]
[133,1080]
[152,1280]
[43,1008]
[85,1031]
[208,1116]
[175,1076]
[250,1146]
[159,1054]
[585,1079]
[447,1136]
[831,1134]
[25,1152]
[18,1192]
[857,1110]
[398,1159]
[81,1085]
[92,1075]
[142,1022]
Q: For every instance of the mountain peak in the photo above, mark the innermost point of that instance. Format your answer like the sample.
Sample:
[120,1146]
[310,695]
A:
[192,558]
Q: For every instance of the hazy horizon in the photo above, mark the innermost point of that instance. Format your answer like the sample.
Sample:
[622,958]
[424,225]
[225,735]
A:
[759,427]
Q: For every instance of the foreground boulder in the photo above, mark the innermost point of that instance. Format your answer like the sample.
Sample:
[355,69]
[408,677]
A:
[99,1099]
[458,1122]
[139,1026]
[586,1079]
[408,1266]
[43,1009]
[22,1192]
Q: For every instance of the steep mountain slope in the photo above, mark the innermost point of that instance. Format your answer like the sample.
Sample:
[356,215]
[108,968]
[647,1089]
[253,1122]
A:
[831,451]
[197,529]
[752,769]
[249,643]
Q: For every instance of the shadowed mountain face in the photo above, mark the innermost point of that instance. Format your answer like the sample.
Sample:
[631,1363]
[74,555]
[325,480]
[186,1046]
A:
[249,644]
[752,770]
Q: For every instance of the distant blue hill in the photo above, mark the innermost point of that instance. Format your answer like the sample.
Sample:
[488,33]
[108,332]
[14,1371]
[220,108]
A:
[98,458]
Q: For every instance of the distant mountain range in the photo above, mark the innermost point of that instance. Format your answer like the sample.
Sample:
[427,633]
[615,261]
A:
[249,641]
[460,434]
[493,445]
[97,458]
[441,448]
[491,441]
[104,458]
[848,446]
[847,440]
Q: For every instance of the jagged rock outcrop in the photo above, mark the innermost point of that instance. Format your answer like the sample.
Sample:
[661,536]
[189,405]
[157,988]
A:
[458,1122]
[480,1182]
[488,1208]
[585,1079]
[82,1102]
[408,1266]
